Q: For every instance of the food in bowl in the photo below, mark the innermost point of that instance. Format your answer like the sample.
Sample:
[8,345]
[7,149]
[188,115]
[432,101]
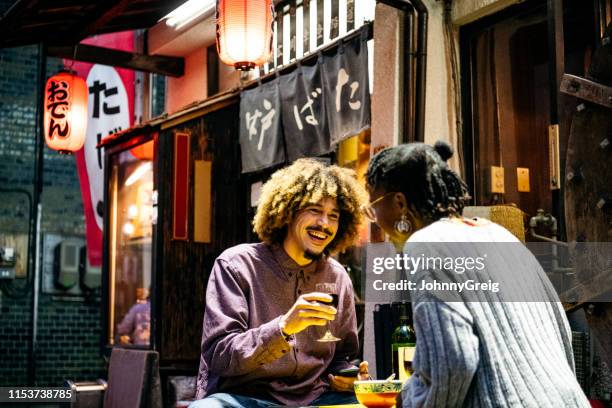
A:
[377,393]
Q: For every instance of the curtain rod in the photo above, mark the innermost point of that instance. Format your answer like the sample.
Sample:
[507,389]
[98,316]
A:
[313,55]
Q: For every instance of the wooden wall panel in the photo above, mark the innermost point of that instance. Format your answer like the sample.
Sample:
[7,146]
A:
[202,201]
[184,267]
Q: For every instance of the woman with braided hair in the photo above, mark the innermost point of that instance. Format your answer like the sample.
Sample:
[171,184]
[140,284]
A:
[473,350]
[418,173]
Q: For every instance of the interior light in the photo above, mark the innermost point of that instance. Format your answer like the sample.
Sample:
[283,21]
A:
[132,211]
[188,12]
[138,173]
[128,228]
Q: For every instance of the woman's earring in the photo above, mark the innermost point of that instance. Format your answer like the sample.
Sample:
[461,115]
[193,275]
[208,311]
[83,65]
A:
[403,226]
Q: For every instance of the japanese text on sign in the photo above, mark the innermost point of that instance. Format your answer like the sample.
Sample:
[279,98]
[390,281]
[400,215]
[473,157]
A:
[310,117]
[343,79]
[265,122]
[58,104]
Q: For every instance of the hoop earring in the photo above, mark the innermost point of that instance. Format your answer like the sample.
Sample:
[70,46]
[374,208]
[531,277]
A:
[403,226]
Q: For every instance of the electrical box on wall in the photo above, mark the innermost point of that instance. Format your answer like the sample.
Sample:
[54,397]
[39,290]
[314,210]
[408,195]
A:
[7,257]
[522,179]
[66,271]
[7,263]
[13,255]
[66,264]
[91,278]
[496,180]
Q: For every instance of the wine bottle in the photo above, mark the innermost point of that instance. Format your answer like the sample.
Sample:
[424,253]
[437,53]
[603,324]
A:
[403,345]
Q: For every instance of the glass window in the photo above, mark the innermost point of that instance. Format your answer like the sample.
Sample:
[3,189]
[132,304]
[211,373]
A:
[158,95]
[130,195]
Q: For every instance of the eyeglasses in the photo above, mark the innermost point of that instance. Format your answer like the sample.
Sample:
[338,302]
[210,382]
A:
[370,211]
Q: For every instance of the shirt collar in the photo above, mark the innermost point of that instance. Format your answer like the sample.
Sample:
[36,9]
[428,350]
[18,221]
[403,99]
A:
[288,265]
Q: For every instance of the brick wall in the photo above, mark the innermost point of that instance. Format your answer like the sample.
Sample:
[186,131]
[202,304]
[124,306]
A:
[14,336]
[68,328]
[68,342]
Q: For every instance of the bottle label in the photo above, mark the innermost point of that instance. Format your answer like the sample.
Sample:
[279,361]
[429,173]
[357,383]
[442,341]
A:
[404,356]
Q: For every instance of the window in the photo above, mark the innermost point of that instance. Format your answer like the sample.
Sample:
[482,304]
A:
[130,211]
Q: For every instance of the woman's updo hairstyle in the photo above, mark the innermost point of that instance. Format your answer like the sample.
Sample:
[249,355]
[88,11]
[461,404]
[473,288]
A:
[420,171]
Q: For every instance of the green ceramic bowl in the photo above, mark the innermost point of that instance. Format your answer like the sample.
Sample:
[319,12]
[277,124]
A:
[377,393]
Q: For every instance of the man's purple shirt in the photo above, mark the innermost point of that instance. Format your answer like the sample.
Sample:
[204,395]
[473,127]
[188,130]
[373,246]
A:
[243,350]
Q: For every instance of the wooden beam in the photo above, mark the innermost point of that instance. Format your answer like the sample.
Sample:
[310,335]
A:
[157,64]
[15,13]
[111,13]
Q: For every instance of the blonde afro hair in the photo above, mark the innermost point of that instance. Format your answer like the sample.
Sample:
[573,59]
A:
[301,184]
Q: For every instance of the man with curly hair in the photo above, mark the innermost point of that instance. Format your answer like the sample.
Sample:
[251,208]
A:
[263,316]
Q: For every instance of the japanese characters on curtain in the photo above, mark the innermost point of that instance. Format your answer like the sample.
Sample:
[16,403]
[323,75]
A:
[261,139]
[303,112]
[347,96]
[307,112]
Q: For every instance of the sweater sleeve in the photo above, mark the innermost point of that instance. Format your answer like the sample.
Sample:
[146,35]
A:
[229,347]
[446,356]
[565,331]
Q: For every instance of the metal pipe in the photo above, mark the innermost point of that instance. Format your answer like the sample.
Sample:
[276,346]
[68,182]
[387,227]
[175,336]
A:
[546,239]
[421,59]
[34,249]
[408,100]
[421,69]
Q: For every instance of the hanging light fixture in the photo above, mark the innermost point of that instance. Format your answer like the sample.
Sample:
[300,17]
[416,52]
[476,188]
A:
[65,108]
[244,32]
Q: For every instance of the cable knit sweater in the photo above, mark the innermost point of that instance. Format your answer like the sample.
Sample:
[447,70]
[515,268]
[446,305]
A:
[490,354]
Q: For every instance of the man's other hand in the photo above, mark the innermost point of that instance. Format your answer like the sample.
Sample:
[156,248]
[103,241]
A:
[310,309]
[345,384]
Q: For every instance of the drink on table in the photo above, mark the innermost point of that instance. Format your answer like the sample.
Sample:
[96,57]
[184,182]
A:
[403,345]
[330,289]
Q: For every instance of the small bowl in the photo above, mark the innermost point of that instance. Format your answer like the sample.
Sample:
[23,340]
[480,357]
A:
[377,393]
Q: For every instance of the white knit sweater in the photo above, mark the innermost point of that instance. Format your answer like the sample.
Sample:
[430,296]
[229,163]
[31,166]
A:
[490,354]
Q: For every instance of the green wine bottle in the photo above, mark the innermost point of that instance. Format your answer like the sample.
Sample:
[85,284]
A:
[403,345]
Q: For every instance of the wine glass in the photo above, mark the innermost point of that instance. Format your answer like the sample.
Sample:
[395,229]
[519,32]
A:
[408,357]
[330,289]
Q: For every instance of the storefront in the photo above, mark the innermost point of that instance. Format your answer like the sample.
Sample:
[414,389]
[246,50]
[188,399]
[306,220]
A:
[164,229]
[183,188]
[491,87]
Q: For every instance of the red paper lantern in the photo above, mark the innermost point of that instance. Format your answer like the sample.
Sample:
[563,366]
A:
[244,32]
[65,112]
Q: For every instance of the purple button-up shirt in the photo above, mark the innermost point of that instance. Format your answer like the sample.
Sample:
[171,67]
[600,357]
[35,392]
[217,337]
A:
[243,350]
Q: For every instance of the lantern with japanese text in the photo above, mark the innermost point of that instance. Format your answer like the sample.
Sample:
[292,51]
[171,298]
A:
[65,108]
[244,32]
